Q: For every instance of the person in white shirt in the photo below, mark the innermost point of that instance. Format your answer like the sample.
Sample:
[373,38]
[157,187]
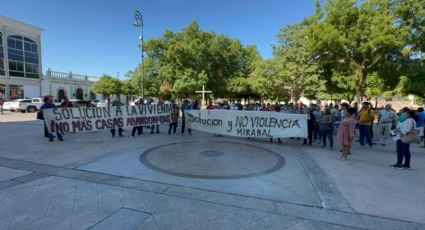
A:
[405,125]
[386,118]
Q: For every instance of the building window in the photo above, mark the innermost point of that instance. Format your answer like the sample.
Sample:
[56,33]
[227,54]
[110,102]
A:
[61,95]
[16,92]
[2,91]
[2,72]
[92,95]
[79,94]
[23,57]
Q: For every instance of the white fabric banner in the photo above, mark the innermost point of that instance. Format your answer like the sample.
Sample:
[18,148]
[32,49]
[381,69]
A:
[65,120]
[248,123]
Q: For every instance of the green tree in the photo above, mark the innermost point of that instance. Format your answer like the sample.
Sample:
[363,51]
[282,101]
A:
[267,82]
[296,67]
[189,59]
[357,37]
[107,86]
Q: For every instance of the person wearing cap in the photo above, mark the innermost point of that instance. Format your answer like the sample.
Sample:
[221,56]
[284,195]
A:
[48,104]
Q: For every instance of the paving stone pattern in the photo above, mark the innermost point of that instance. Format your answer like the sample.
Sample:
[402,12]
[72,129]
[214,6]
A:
[46,188]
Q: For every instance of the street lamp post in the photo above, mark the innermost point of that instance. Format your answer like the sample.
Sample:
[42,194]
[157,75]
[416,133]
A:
[139,23]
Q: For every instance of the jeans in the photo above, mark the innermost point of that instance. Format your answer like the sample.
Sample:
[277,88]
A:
[327,134]
[173,126]
[50,135]
[153,129]
[403,150]
[317,134]
[365,133]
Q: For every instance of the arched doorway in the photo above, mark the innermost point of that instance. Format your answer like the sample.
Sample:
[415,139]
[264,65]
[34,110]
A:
[79,94]
[92,96]
[61,95]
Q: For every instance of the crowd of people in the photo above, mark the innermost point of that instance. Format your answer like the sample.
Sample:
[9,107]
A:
[324,123]
[345,120]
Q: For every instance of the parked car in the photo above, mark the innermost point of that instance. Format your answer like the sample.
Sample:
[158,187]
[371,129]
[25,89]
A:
[98,103]
[14,104]
[101,103]
[80,103]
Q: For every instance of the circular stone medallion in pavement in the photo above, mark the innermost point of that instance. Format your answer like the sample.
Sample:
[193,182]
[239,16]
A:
[212,160]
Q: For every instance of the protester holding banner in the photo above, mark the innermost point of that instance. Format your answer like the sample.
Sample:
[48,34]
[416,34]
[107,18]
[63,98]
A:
[210,106]
[66,103]
[139,128]
[48,104]
[155,126]
[276,109]
[186,106]
[174,117]
[117,103]
[310,126]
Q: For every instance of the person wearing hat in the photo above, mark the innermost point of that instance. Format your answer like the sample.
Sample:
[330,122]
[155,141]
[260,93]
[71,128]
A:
[48,104]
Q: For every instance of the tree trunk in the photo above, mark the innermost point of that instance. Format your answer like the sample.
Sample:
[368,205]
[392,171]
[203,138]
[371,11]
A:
[361,79]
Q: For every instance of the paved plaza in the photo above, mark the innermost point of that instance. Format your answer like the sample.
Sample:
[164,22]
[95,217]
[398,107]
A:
[203,181]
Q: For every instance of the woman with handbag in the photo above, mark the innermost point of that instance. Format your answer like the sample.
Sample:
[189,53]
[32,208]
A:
[405,134]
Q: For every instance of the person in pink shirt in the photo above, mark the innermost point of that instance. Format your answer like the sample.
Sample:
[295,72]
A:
[345,133]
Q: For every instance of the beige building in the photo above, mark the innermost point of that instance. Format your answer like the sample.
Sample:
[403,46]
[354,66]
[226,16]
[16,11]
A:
[74,86]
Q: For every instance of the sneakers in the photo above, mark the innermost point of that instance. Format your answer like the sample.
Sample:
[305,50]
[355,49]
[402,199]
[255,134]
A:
[406,167]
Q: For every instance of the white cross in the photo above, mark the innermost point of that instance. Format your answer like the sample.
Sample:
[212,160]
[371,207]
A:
[203,93]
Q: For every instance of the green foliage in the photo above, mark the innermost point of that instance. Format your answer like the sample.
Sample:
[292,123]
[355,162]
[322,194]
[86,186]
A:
[374,86]
[127,88]
[107,85]
[357,37]
[347,49]
[189,59]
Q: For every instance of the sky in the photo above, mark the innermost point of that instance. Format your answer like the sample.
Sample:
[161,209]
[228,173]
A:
[94,37]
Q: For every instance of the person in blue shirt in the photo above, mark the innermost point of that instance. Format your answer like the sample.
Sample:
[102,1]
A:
[48,104]
[185,106]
